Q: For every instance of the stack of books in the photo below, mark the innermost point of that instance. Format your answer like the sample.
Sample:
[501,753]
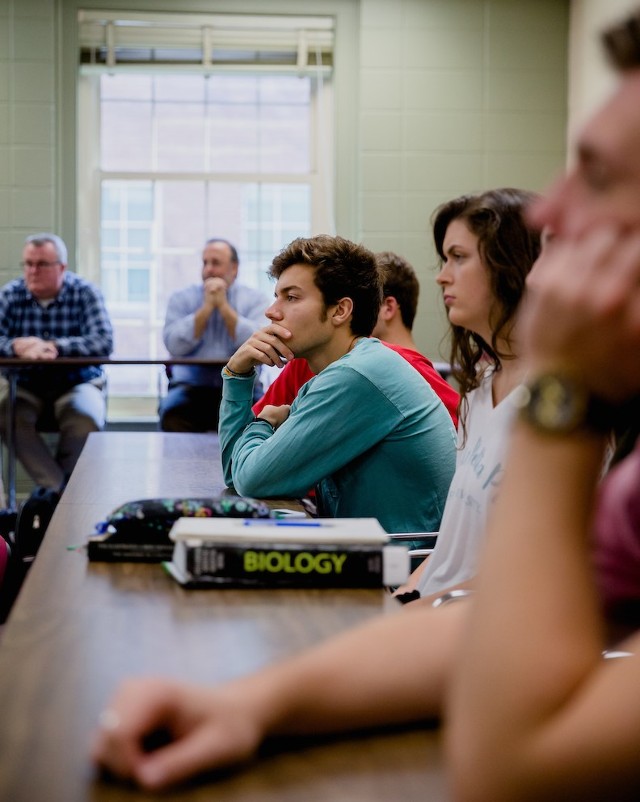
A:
[311,553]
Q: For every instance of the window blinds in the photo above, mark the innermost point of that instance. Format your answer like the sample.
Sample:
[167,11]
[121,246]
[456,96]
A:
[116,40]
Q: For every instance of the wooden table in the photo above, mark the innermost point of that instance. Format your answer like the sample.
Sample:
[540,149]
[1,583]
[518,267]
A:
[77,629]
[11,366]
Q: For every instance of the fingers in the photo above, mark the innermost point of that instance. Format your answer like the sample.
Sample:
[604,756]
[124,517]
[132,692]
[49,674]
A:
[600,268]
[138,709]
[621,285]
[278,351]
[209,745]
[34,348]
[266,347]
[582,311]
[215,284]
[215,292]
[22,345]
[275,415]
[45,351]
[204,729]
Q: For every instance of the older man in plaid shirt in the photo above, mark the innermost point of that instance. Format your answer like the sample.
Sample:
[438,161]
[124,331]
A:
[49,313]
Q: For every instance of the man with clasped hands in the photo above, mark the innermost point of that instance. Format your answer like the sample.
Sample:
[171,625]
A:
[208,320]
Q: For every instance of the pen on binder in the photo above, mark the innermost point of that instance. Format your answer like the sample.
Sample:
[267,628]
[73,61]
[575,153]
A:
[271,522]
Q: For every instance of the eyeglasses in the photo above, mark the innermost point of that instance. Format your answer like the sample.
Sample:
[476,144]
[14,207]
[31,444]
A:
[38,265]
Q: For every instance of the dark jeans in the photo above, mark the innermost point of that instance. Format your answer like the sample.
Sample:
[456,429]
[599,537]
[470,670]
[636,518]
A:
[186,408]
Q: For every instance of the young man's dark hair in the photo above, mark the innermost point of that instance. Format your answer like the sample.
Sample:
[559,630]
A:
[399,281]
[342,269]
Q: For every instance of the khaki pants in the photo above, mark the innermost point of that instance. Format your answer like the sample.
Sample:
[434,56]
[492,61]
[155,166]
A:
[77,413]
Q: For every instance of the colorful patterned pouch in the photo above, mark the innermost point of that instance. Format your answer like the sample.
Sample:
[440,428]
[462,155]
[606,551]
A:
[150,519]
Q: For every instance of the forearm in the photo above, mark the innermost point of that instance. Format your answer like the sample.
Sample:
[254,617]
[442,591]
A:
[349,682]
[391,670]
[6,347]
[229,318]
[235,413]
[280,465]
[263,464]
[93,344]
[6,344]
[200,320]
[535,589]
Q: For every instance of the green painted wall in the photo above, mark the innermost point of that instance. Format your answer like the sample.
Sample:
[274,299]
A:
[434,98]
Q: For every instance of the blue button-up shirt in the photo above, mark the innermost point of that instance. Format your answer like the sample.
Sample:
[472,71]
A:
[215,343]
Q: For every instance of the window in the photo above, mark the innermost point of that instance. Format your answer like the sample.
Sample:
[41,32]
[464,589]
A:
[172,155]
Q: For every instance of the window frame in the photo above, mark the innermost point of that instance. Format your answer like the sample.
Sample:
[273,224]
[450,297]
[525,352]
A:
[319,180]
[69,195]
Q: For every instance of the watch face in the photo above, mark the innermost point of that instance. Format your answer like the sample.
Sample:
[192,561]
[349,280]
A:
[557,404]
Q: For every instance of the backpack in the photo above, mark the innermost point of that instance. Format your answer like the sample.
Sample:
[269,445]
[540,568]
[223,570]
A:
[32,522]
[22,540]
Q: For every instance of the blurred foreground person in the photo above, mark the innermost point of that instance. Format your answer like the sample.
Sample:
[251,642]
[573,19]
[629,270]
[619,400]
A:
[564,724]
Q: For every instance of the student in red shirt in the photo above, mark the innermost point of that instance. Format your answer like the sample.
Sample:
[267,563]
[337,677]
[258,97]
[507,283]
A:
[395,322]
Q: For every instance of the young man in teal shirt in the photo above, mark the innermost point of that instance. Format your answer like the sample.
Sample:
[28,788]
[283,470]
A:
[367,431]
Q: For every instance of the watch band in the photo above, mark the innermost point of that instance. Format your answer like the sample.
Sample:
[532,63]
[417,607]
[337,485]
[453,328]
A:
[231,374]
[263,420]
[558,404]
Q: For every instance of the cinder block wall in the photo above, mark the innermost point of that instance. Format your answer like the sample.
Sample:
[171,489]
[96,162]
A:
[28,142]
[450,96]
[455,96]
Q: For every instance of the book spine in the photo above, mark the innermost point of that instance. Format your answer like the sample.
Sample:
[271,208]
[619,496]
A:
[286,565]
[107,551]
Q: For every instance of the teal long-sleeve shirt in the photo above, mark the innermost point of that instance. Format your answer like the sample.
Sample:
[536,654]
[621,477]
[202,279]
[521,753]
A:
[368,432]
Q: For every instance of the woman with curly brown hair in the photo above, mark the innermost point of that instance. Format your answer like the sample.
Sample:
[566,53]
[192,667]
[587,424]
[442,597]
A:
[486,251]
